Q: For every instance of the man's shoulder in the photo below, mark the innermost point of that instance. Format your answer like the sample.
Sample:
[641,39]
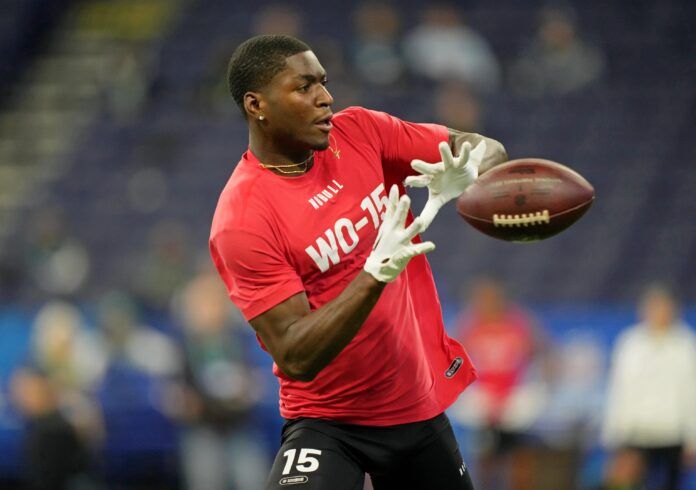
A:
[354,114]
[239,203]
[362,113]
[633,334]
[367,124]
[352,111]
[685,333]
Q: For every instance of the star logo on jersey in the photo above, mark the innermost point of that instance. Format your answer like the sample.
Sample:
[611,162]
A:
[334,149]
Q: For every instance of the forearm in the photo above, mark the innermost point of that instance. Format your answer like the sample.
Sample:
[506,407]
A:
[314,340]
[495,151]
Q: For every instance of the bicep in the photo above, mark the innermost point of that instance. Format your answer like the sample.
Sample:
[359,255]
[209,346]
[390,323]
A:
[273,326]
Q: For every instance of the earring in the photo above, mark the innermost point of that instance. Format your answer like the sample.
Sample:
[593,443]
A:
[261,118]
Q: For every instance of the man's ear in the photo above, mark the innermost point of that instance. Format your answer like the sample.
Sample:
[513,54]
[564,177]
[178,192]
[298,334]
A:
[252,105]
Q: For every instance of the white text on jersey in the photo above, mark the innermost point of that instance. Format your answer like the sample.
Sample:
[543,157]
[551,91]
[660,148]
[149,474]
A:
[329,192]
[343,235]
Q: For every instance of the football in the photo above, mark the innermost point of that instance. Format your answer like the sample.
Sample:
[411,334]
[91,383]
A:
[526,200]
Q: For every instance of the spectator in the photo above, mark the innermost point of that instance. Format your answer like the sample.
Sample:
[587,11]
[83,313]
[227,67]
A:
[164,267]
[456,106]
[557,62]
[57,261]
[505,345]
[133,394]
[132,343]
[652,393]
[55,456]
[442,47]
[74,360]
[571,419]
[128,82]
[61,346]
[278,18]
[218,393]
[376,51]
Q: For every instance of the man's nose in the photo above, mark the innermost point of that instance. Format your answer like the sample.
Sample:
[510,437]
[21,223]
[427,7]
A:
[324,98]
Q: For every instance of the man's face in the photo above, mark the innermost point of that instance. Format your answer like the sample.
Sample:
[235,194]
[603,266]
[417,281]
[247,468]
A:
[659,311]
[296,105]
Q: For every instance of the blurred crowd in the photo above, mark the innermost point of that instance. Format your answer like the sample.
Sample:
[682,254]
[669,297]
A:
[99,380]
[441,53]
[124,369]
[539,406]
[108,374]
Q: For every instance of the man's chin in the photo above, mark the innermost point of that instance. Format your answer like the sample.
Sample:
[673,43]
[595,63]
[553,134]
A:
[321,146]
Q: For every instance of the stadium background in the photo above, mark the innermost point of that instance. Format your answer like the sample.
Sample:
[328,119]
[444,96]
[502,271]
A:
[117,134]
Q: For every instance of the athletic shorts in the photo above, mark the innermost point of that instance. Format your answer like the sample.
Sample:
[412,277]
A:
[318,454]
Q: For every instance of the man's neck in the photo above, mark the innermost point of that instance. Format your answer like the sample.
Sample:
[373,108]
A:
[269,152]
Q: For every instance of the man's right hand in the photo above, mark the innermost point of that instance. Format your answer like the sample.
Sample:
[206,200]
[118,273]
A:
[393,248]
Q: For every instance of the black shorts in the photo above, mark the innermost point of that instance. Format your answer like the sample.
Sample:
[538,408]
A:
[322,454]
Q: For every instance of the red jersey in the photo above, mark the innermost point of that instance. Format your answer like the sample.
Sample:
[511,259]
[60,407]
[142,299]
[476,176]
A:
[274,236]
[502,349]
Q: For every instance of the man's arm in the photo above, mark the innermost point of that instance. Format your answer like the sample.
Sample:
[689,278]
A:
[460,167]
[495,151]
[303,342]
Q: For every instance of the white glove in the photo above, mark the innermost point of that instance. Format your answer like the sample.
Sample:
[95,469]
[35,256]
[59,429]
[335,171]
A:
[447,179]
[393,248]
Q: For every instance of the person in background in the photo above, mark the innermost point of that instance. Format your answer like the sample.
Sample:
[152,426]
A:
[278,18]
[164,266]
[218,392]
[570,422]
[443,47]
[56,261]
[74,360]
[458,107]
[61,346]
[557,61]
[651,406]
[132,343]
[508,351]
[376,49]
[56,458]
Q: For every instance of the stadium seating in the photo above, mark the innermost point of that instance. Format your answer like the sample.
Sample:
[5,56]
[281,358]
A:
[632,140]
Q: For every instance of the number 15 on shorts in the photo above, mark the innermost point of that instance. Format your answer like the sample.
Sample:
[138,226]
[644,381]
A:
[306,462]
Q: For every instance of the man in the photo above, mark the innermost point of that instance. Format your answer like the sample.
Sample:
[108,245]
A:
[55,455]
[321,262]
[652,395]
[506,344]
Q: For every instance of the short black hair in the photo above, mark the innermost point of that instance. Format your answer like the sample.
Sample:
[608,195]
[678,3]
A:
[256,61]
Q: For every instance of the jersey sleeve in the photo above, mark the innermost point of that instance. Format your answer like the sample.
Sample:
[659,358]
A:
[255,271]
[402,141]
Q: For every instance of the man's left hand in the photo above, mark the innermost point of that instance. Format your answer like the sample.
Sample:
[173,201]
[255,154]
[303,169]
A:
[447,179]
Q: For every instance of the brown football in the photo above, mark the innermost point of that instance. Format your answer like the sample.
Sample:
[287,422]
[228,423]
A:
[526,200]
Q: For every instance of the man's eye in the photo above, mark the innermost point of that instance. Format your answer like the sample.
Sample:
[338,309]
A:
[324,82]
[303,88]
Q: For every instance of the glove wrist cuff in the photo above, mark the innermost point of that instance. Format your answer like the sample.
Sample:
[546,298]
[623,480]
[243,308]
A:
[374,268]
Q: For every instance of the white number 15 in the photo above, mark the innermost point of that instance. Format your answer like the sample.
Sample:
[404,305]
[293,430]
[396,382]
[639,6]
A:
[305,462]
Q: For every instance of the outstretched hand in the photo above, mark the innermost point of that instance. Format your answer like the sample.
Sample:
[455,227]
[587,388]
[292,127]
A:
[447,179]
[393,248]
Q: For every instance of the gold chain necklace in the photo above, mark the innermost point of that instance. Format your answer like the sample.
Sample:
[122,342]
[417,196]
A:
[298,170]
[305,165]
